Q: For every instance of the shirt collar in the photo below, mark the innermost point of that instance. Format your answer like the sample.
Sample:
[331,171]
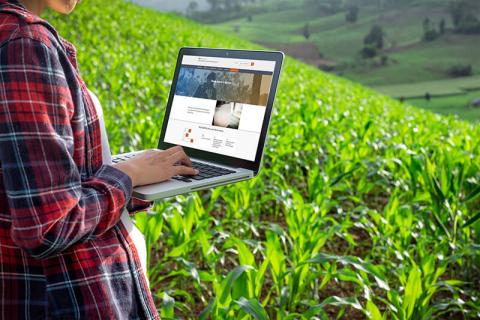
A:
[14,2]
[14,6]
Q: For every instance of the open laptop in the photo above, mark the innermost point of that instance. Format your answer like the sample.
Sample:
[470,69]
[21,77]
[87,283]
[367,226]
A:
[218,110]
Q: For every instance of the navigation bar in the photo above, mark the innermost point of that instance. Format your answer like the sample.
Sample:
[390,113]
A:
[229,63]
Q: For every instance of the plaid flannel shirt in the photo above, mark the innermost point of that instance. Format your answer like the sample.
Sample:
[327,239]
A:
[63,252]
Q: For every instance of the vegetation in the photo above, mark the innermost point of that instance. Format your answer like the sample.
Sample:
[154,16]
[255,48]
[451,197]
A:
[465,15]
[460,70]
[414,54]
[430,33]
[375,37]
[451,87]
[352,14]
[373,41]
[306,31]
[364,208]
[462,104]
[222,10]
[453,96]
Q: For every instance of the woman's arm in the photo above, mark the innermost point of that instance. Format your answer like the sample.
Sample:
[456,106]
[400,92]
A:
[51,207]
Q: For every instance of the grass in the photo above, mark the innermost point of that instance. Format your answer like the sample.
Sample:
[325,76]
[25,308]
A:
[448,97]
[423,62]
[341,41]
[410,59]
[450,105]
[448,87]
[364,208]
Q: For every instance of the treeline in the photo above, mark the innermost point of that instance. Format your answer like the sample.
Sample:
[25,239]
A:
[224,10]
[465,19]
[465,16]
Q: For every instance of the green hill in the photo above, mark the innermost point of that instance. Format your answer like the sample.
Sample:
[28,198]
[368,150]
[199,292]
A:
[364,208]
[335,44]
[171,5]
[340,41]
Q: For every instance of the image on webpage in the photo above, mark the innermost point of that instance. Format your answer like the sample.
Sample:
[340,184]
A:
[251,88]
[219,110]
[227,114]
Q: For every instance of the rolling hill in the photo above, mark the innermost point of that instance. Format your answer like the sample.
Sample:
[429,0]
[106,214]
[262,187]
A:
[171,5]
[335,44]
[365,207]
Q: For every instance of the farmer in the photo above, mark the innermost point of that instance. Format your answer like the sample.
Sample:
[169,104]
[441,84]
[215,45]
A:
[68,248]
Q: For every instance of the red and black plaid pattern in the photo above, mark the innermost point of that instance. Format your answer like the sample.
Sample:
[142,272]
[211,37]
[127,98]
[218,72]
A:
[63,252]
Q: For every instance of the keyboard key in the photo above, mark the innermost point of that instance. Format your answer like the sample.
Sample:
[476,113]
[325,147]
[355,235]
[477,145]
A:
[197,177]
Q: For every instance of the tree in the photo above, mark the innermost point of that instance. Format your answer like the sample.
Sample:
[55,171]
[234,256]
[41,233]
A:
[426,25]
[429,32]
[457,10]
[460,70]
[368,52]
[375,37]
[192,8]
[306,31]
[442,26]
[352,14]
[215,5]
[384,60]
[464,15]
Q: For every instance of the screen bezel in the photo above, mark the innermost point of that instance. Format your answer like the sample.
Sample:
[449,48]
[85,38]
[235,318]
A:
[276,56]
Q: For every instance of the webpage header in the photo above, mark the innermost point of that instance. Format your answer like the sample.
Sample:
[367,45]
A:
[236,64]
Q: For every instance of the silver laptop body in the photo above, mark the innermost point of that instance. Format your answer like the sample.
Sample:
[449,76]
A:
[219,111]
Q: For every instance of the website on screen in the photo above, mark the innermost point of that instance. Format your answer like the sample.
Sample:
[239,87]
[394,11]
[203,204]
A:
[219,105]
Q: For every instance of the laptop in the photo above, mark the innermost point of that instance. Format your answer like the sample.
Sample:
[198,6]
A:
[218,110]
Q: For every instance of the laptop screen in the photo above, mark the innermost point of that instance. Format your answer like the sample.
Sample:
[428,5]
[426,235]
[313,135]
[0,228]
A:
[219,105]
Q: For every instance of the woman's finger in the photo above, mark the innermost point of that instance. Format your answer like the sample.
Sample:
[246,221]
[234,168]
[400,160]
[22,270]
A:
[180,157]
[184,171]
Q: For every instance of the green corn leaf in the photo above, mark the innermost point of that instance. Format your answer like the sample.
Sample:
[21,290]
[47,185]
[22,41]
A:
[413,291]
[373,312]
[253,308]
[229,280]
[334,301]
[473,195]
[241,287]
[245,256]
[167,309]
[344,175]
[472,220]
[357,263]
[207,311]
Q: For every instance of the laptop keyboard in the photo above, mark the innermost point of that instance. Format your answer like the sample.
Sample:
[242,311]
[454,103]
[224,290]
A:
[206,171]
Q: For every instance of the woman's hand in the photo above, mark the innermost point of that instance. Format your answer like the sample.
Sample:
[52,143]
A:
[153,166]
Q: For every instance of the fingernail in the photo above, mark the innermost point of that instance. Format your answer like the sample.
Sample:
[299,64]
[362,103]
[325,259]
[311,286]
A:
[196,171]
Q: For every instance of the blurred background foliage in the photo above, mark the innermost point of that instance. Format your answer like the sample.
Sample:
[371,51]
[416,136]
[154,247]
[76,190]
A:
[424,52]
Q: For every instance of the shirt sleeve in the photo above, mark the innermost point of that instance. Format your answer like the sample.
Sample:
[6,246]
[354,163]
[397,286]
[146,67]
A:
[51,204]
[138,205]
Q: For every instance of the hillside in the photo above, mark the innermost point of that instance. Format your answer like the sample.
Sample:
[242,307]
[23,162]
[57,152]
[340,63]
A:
[365,207]
[341,41]
[335,44]
[171,5]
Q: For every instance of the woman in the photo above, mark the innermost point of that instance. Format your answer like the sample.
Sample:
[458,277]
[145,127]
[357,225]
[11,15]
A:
[66,249]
